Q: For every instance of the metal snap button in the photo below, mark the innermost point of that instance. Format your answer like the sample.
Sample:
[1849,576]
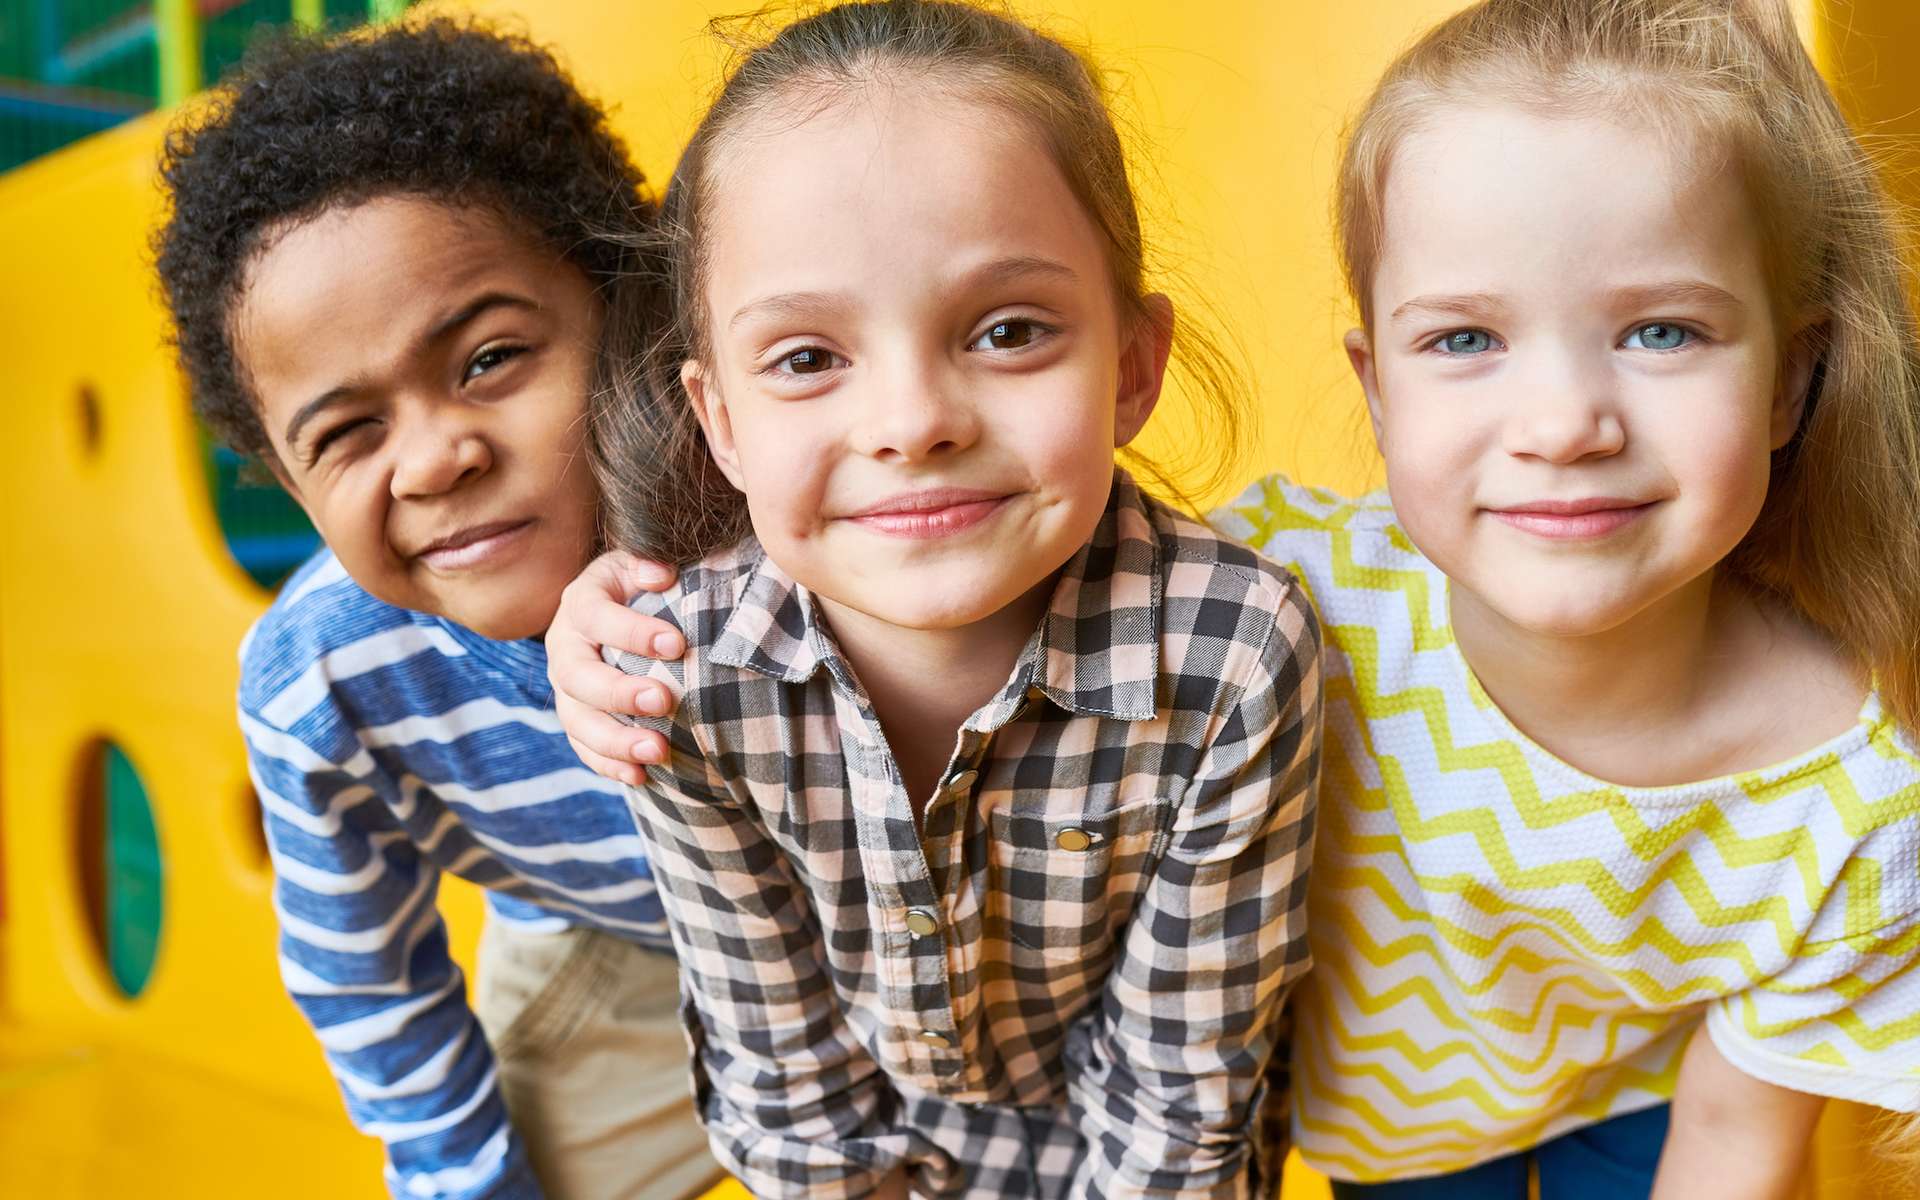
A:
[963,782]
[1075,840]
[922,923]
[939,1041]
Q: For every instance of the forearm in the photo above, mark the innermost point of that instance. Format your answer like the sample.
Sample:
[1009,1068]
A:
[364,956]
[1732,1135]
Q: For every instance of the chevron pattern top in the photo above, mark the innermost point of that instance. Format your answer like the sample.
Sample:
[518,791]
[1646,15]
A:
[1507,948]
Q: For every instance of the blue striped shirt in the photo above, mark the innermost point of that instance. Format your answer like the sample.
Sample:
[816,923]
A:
[388,746]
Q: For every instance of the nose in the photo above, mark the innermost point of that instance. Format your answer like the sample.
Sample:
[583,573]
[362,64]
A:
[440,447]
[1571,411]
[914,414]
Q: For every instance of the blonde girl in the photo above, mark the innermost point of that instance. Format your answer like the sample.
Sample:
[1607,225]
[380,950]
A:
[1622,789]
[984,824]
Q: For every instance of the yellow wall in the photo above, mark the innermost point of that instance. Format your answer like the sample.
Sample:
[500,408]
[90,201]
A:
[120,611]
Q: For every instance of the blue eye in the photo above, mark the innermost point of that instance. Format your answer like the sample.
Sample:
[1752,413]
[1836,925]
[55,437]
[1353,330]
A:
[1464,342]
[1658,336]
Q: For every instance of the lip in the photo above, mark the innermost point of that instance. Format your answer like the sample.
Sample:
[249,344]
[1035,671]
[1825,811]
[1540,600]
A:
[473,545]
[930,513]
[1574,520]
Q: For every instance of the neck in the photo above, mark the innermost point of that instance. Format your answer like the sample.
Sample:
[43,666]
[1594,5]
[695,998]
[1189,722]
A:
[1608,702]
[925,682]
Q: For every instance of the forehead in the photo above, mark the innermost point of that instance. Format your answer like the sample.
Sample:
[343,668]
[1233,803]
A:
[332,280]
[1487,195]
[906,177]
[348,293]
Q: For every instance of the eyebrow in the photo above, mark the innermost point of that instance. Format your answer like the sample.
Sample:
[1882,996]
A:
[439,330]
[1465,304]
[999,271]
[1676,291]
[1690,292]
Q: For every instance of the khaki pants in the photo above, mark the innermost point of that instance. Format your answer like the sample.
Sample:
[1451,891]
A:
[593,1063]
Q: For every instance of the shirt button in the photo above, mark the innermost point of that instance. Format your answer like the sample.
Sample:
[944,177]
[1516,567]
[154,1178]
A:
[922,923]
[963,782]
[939,1041]
[1075,840]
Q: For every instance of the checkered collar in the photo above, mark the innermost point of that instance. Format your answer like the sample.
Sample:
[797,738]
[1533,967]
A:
[1097,650]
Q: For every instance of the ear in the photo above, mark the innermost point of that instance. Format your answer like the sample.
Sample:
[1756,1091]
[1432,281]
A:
[710,409]
[1795,380]
[1360,358]
[1143,368]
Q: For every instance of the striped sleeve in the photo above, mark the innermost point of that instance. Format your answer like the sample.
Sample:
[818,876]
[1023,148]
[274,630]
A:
[364,955]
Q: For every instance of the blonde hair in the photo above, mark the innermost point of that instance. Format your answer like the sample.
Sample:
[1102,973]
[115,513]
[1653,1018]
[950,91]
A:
[1838,537]
[662,494]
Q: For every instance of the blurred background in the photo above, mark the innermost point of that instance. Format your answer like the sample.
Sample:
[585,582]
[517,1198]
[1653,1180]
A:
[145,1046]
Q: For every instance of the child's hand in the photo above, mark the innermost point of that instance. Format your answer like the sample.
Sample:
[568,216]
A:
[593,613]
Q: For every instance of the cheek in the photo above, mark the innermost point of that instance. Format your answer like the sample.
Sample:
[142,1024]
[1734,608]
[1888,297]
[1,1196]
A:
[1429,446]
[351,516]
[1060,438]
[1716,442]
[785,457]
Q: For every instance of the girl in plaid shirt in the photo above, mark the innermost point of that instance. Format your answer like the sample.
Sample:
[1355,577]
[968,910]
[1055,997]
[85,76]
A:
[986,817]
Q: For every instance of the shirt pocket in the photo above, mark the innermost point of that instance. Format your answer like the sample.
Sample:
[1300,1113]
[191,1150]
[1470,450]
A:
[1065,885]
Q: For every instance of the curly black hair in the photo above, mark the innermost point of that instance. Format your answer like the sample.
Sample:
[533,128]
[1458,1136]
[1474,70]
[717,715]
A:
[448,110]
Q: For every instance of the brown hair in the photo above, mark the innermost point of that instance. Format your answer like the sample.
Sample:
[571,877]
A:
[1839,535]
[663,495]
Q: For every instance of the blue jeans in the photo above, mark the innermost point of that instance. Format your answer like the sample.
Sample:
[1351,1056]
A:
[1613,1160]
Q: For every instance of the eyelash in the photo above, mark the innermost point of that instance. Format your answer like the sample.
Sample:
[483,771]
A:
[335,434]
[1038,331]
[507,350]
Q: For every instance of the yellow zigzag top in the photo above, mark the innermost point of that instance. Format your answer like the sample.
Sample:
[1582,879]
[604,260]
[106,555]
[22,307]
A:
[1507,948]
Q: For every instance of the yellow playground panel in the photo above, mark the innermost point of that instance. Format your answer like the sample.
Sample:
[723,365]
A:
[120,608]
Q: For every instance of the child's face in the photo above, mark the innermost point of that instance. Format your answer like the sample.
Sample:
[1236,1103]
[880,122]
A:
[918,373]
[1574,371]
[422,372]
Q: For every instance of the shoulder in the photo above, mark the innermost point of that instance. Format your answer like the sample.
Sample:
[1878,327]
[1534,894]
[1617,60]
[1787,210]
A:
[1223,602]
[1874,788]
[318,610]
[1358,565]
[1290,522]
[323,628]
[705,593]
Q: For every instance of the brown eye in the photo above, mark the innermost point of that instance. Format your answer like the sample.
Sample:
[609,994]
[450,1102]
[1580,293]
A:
[489,359]
[1007,335]
[810,361]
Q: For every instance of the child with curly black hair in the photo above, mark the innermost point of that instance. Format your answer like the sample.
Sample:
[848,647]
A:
[387,258]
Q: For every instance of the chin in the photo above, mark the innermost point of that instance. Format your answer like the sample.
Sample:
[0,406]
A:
[930,607]
[1563,615]
[504,623]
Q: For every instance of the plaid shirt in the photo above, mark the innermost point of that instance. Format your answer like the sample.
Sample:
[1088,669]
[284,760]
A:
[1068,982]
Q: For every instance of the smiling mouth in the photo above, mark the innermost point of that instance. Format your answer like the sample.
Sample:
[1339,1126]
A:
[474,545]
[935,513]
[1573,520]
